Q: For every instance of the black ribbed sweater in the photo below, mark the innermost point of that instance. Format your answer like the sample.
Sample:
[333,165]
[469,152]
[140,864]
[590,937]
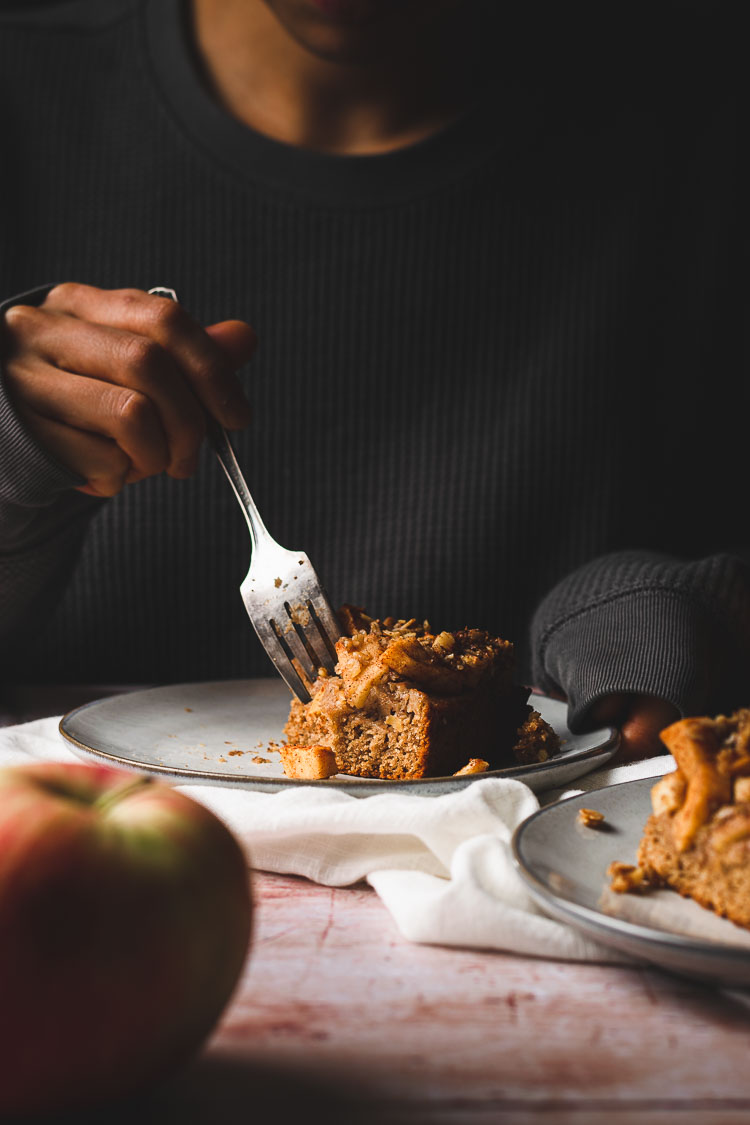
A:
[497,381]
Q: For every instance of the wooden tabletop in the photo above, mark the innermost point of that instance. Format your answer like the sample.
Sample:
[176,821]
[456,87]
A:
[338,1018]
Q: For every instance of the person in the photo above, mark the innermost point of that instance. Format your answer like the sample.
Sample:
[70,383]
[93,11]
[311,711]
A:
[493,263]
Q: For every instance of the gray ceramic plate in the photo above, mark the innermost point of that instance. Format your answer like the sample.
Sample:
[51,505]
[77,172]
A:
[564,866]
[219,734]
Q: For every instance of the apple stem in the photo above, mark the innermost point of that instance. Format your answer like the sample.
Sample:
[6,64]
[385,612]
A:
[114,796]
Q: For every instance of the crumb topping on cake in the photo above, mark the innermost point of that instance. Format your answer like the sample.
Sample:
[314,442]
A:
[590,818]
[626,878]
[373,652]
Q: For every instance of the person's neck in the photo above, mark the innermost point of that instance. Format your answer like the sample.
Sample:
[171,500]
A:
[267,80]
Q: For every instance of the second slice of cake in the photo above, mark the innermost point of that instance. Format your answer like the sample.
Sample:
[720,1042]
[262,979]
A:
[697,840]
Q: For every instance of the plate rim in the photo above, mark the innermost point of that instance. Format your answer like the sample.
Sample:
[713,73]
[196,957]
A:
[604,923]
[602,752]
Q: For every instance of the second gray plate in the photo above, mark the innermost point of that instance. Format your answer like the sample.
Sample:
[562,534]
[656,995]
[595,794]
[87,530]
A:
[222,733]
[565,865]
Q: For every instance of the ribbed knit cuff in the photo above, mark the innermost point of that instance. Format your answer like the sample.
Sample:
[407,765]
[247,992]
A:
[29,477]
[649,642]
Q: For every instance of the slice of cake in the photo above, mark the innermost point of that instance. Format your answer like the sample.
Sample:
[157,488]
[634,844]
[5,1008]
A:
[407,702]
[697,839]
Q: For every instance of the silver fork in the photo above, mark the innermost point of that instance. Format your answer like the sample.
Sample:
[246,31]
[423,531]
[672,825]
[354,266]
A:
[283,596]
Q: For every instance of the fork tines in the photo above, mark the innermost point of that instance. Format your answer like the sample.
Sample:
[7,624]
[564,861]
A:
[304,639]
[298,633]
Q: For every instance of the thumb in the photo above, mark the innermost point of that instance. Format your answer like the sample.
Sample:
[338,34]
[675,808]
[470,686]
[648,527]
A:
[236,339]
[648,716]
[640,719]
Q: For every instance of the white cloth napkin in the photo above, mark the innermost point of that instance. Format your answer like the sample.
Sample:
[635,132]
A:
[442,866]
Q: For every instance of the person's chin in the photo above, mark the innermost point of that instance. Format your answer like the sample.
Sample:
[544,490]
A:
[349,13]
[344,31]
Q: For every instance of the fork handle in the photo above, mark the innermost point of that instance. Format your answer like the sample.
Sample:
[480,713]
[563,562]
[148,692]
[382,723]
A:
[219,439]
[222,446]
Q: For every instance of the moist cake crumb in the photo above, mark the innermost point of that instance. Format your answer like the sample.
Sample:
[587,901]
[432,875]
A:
[308,763]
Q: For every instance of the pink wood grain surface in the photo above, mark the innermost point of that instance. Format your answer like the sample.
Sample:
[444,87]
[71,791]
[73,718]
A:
[338,1018]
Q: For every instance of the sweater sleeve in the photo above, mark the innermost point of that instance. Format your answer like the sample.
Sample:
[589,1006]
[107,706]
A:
[42,519]
[646,623]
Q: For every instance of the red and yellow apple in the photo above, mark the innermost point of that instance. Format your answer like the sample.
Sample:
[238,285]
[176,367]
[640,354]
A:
[124,923]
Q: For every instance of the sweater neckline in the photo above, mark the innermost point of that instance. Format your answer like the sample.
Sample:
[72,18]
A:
[439,160]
